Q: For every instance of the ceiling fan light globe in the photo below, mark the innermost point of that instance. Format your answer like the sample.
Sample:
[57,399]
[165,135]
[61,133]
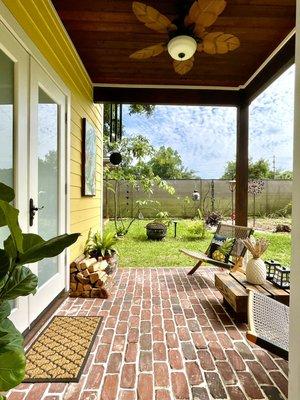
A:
[182,47]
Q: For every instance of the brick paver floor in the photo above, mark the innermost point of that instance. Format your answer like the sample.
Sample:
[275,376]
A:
[166,335]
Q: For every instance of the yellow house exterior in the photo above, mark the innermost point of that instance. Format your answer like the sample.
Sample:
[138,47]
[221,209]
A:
[41,68]
[41,23]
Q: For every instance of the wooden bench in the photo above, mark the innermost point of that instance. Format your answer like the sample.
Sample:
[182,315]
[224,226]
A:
[233,287]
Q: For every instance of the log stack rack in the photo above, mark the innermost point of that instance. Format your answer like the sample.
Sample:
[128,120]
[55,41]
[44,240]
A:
[92,278]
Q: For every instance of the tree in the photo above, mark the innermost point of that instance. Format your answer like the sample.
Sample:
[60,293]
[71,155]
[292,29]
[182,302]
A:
[230,170]
[257,170]
[167,164]
[146,109]
[288,175]
[135,170]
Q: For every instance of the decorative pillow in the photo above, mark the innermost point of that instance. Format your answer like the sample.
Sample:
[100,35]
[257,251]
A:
[221,248]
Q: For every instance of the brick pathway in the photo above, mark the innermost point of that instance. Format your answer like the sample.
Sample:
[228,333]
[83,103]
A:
[166,336]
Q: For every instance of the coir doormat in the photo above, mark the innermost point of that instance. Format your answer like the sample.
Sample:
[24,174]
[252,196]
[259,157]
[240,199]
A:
[60,352]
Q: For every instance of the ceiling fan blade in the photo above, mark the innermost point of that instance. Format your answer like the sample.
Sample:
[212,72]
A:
[183,67]
[204,13]
[200,47]
[152,18]
[193,14]
[148,52]
[219,43]
[199,31]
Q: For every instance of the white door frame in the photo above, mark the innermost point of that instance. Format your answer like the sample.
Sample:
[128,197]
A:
[22,128]
[10,46]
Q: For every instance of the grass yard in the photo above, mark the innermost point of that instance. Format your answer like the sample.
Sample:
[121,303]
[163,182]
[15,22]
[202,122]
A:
[137,251]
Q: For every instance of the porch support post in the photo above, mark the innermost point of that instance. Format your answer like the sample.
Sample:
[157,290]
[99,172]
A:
[294,329]
[242,144]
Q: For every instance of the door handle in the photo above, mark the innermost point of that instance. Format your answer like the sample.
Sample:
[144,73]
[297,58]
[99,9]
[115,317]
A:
[32,211]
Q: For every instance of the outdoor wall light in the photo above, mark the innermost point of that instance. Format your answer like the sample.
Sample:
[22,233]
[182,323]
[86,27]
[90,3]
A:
[182,47]
[115,158]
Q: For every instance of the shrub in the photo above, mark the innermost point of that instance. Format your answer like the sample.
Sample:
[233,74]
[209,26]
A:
[283,212]
[282,228]
[213,218]
[198,228]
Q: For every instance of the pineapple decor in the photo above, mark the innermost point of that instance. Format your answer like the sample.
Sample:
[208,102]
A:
[256,272]
[223,250]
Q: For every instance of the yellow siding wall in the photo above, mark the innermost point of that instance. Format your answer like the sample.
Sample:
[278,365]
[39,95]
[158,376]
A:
[42,25]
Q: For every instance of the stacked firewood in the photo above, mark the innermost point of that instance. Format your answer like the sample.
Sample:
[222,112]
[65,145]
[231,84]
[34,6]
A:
[90,277]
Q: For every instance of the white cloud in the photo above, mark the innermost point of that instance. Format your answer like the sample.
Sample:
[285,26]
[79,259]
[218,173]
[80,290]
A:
[205,137]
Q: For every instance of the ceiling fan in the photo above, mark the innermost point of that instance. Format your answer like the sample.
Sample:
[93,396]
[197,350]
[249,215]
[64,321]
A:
[187,33]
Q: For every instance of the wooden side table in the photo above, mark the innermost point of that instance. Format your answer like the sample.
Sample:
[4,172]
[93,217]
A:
[233,287]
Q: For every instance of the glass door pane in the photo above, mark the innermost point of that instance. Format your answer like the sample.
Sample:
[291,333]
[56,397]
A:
[6,126]
[48,112]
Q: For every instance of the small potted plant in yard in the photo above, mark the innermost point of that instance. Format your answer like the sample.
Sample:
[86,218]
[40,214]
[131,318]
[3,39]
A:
[121,232]
[213,218]
[157,229]
[102,246]
[17,280]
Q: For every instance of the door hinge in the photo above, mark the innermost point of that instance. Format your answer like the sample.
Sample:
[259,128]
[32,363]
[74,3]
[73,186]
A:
[66,118]
[66,188]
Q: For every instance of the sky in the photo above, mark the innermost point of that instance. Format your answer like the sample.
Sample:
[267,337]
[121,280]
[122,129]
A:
[205,137]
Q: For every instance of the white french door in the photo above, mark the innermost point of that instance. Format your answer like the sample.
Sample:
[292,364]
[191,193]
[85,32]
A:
[33,161]
[14,85]
[47,179]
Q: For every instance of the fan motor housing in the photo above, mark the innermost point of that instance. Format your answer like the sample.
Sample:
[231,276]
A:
[182,47]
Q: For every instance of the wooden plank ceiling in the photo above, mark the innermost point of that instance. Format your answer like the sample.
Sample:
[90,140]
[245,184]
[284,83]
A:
[106,32]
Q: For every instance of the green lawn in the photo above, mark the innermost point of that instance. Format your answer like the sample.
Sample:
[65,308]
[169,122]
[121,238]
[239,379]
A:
[136,251]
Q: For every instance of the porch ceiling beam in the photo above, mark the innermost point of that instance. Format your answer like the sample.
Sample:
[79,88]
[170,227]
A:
[242,146]
[188,97]
[281,61]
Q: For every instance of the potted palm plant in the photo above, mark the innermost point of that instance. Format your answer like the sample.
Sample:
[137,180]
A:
[102,246]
